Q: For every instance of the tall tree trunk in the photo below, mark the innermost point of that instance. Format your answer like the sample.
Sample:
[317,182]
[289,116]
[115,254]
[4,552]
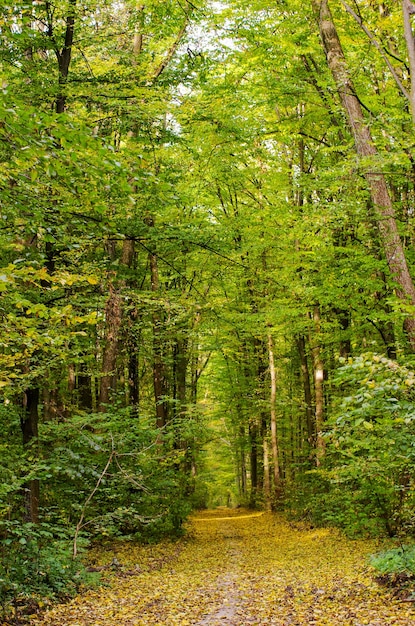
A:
[267,476]
[181,358]
[29,425]
[242,460]
[343,317]
[318,368]
[133,335]
[113,316]
[180,362]
[138,37]
[159,377]
[133,341]
[273,414]
[308,397]
[408,9]
[83,386]
[382,203]
[64,57]
[253,440]
[113,320]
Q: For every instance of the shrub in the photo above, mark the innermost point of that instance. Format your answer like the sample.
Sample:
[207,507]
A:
[395,561]
[36,562]
[370,451]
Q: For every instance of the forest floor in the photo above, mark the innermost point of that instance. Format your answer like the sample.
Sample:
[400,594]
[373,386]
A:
[238,568]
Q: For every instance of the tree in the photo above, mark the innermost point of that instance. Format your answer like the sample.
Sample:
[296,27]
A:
[380,196]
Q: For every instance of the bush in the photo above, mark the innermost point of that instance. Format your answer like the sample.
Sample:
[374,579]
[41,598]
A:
[370,451]
[366,482]
[102,476]
[395,561]
[36,562]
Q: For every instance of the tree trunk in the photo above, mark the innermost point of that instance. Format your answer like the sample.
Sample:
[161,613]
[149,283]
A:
[343,317]
[138,38]
[242,465]
[408,9]
[267,476]
[308,398]
[84,389]
[273,413]
[159,378]
[133,366]
[181,359]
[113,316]
[113,320]
[253,439]
[64,57]
[385,214]
[180,363]
[29,425]
[318,385]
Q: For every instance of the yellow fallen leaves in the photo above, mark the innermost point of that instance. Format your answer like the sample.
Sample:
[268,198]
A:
[239,568]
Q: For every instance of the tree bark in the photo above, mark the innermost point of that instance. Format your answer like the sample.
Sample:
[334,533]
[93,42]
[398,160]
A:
[267,476]
[84,388]
[133,343]
[113,320]
[344,318]
[318,368]
[384,210]
[308,397]
[138,39]
[273,413]
[408,9]
[173,49]
[180,363]
[253,439]
[159,377]
[29,426]
[242,460]
[64,57]
[113,316]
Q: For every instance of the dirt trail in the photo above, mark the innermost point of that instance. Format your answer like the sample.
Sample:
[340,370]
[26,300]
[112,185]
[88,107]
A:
[235,568]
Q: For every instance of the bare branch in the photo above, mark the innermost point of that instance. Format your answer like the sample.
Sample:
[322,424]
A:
[80,523]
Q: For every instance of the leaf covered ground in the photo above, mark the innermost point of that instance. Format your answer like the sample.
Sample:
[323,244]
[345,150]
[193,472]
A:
[238,568]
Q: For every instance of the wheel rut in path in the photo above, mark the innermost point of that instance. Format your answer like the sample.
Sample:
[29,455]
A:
[238,568]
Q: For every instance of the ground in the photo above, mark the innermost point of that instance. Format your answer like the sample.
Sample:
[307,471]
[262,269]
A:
[239,568]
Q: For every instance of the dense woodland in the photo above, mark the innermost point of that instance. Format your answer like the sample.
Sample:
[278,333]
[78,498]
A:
[207,263]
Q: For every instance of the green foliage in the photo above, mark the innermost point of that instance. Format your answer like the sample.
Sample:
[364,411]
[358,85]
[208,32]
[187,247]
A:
[37,562]
[370,457]
[140,495]
[395,561]
[196,195]
[319,500]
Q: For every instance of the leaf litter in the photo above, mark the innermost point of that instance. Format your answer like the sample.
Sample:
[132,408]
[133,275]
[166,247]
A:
[237,568]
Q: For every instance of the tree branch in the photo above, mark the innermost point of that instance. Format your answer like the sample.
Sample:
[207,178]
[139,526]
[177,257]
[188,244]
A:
[378,47]
[409,9]
[80,523]
[170,54]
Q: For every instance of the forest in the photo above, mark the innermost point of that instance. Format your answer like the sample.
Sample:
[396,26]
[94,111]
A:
[207,228]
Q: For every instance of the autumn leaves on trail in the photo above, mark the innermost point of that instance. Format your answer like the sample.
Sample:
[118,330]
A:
[238,568]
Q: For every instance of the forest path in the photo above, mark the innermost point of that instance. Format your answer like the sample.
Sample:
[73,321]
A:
[238,568]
